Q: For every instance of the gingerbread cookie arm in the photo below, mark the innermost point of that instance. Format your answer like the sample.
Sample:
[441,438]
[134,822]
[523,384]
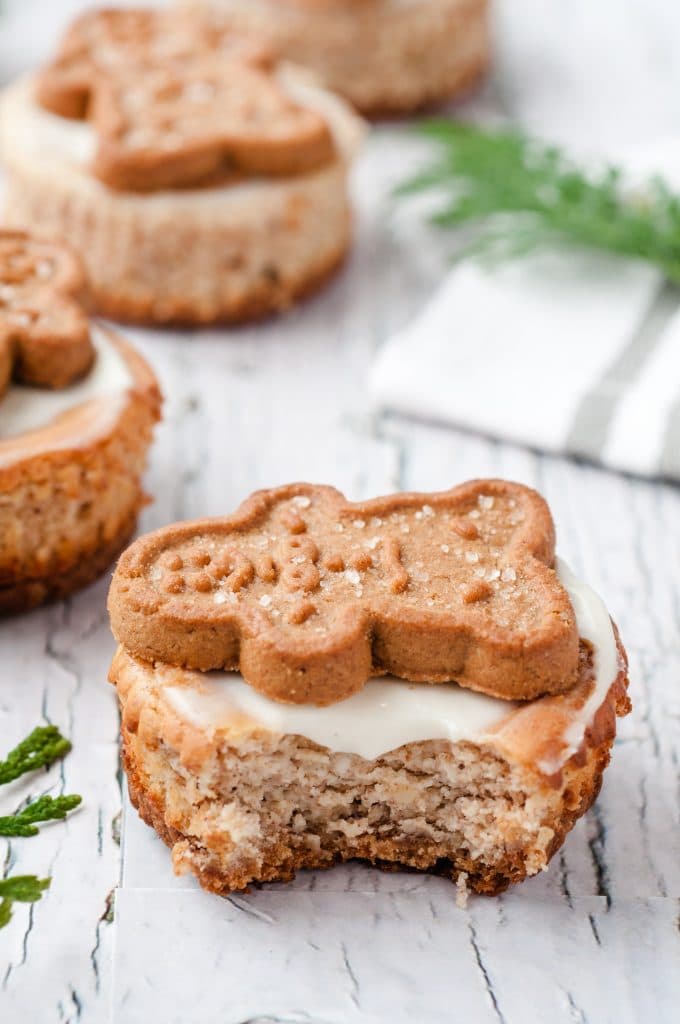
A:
[309,595]
[44,330]
[56,350]
[64,88]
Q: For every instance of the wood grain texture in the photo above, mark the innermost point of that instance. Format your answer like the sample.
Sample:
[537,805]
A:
[593,939]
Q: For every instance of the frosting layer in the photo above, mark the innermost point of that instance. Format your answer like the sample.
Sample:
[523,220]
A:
[386,714]
[389,713]
[35,422]
[25,408]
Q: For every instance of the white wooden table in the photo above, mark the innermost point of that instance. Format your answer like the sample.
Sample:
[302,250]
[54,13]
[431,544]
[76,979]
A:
[595,938]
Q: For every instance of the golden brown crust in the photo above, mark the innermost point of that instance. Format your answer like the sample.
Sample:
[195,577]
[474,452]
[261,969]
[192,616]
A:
[44,331]
[272,295]
[309,595]
[80,570]
[174,102]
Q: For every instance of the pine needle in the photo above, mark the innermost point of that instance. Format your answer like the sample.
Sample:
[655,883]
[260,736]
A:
[41,748]
[46,808]
[517,195]
[19,889]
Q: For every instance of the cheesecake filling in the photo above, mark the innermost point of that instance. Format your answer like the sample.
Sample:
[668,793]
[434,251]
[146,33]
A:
[388,712]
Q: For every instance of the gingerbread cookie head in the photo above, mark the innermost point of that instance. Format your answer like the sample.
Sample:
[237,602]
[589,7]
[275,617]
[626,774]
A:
[110,44]
[176,103]
[310,595]
[44,331]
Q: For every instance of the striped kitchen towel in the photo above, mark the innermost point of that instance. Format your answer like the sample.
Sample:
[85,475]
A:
[568,351]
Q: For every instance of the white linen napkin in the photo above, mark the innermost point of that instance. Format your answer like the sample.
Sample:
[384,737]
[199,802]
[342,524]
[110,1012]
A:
[569,352]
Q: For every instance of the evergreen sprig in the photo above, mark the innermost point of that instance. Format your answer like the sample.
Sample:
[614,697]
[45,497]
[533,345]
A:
[45,808]
[19,889]
[517,194]
[40,748]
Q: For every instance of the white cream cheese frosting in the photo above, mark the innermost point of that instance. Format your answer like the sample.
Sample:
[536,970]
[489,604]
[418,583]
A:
[389,712]
[24,408]
[37,421]
[595,626]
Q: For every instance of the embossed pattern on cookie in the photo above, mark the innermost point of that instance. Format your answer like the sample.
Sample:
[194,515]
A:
[44,331]
[310,595]
[176,103]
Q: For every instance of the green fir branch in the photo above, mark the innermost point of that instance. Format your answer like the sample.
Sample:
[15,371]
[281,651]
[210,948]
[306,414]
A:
[19,889]
[516,194]
[46,808]
[41,748]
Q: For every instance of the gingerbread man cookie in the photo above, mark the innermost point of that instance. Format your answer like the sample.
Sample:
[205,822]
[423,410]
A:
[309,595]
[175,104]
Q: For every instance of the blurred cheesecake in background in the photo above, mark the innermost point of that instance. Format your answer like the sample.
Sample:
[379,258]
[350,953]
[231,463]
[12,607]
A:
[199,179]
[77,410]
[384,56]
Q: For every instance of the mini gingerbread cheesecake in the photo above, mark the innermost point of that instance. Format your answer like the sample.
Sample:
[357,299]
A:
[77,409]
[202,180]
[415,681]
[384,56]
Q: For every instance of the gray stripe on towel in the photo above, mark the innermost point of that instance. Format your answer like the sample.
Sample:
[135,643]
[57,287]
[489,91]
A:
[594,415]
